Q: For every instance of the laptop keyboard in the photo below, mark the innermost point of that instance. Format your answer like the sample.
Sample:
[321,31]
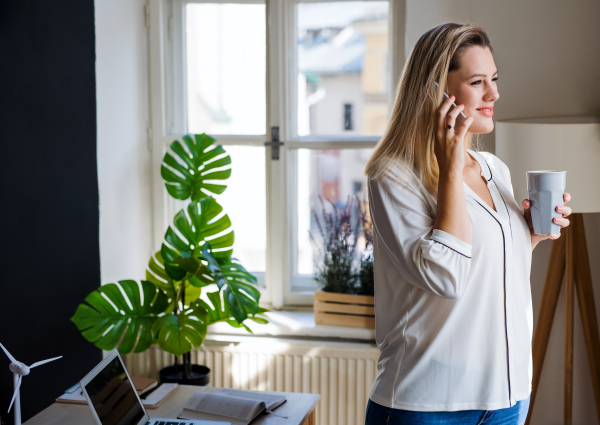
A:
[169,423]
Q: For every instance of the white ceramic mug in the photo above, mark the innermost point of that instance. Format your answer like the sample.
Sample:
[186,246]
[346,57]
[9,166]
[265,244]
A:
[546,189]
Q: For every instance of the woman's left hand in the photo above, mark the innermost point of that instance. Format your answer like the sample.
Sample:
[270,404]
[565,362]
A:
[563,222]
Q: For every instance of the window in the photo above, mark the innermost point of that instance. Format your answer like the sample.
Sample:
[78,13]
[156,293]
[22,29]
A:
[226,68]
[347,116]
[244,201]
[342,61]
[324,175]
[225,59]
[321,73]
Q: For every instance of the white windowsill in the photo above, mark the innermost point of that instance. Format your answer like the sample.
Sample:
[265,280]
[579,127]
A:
[294,324]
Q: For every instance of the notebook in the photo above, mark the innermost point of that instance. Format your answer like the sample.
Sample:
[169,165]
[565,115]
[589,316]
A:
[151,399]
[143,385]
[238,406]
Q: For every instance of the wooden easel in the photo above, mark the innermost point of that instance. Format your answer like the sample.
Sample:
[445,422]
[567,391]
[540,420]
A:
[568,257]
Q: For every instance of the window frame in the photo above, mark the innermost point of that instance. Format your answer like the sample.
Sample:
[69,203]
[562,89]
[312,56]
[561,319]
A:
[168,104]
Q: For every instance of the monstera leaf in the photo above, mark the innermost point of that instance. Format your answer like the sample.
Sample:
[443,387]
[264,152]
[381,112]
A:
[218,311]
[238,286]
[203,223]
[121,311]
[190,172]
[178,334]
[157,274]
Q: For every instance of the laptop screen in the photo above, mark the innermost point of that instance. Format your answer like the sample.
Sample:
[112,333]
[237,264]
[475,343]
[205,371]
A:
[113,397]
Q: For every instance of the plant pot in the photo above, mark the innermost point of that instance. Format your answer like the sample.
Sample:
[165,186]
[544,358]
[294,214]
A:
[200,375]
[344,309]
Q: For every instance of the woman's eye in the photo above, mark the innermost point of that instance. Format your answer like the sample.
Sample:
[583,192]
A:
[478,82]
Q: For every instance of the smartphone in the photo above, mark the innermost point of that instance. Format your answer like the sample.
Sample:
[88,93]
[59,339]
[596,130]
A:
[460,118]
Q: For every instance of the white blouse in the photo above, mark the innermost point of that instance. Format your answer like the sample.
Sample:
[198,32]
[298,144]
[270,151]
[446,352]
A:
[454,321]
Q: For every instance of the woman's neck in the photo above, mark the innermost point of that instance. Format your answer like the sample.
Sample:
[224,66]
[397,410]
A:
[471,164]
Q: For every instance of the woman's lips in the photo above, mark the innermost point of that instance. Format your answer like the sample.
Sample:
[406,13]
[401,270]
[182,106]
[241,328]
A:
[488,112]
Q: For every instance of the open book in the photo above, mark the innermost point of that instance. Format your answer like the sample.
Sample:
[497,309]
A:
[237,406]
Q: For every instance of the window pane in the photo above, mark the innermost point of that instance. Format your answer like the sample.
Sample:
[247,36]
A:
[226,68]
[244,201]
[332,174]
[343,68]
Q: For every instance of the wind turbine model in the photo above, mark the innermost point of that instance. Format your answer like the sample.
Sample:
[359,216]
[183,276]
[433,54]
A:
[19,370]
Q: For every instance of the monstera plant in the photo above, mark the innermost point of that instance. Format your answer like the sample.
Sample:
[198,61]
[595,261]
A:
[167,307]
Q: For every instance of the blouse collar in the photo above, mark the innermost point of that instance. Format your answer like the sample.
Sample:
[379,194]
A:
[486,171]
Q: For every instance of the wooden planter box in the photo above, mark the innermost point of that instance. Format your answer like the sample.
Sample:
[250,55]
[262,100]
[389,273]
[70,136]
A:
[344,309]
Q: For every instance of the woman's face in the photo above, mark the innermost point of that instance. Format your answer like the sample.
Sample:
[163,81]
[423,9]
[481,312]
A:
[474,85]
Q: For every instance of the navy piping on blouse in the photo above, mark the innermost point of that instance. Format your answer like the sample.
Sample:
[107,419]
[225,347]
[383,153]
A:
[505,318]
[493,181]
[488,165]
[451,248]
[505,206]
[504,241]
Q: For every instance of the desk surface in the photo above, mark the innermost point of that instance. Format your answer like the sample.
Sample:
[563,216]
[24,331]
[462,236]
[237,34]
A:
[299,409]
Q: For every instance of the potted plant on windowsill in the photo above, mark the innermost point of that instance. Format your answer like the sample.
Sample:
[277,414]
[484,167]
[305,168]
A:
[167,308]
[346,295]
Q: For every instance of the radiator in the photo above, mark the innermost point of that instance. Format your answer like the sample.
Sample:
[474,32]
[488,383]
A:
[342,373]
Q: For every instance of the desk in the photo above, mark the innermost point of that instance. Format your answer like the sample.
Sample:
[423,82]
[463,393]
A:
[300,408]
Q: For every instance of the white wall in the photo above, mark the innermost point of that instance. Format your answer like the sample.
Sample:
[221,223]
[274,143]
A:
[548,57]
[123,157]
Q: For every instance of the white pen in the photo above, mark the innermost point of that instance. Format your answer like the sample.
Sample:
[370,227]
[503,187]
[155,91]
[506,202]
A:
[448,97]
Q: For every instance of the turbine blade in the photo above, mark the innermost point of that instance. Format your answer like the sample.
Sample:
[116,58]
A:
[44,361]
[12,359]
[16,391]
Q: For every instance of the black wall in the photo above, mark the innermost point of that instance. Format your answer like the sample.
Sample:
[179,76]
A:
[49,220]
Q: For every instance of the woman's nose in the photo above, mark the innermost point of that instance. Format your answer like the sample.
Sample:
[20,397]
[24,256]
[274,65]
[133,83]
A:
[492,94]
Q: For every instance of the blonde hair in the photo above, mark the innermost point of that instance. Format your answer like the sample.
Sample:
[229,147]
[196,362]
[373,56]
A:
[409,139]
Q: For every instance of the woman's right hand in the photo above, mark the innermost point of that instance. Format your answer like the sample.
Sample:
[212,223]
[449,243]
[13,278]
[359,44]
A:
[449,146]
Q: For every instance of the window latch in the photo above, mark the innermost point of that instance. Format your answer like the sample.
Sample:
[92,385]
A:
[275,143]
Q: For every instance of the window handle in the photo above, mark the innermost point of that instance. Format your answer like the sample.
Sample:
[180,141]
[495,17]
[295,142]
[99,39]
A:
[275,143]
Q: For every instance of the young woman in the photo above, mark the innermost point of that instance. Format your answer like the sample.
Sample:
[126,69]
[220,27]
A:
[452,248]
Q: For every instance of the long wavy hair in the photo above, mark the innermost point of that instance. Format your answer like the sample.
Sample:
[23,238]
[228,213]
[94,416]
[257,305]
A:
[409,139]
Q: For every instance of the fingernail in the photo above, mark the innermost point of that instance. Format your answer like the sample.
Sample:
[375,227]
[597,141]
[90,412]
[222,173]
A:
[559,209]
[452,97]
[556,220]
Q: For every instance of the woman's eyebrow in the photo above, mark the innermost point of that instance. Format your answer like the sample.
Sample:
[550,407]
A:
[481,75]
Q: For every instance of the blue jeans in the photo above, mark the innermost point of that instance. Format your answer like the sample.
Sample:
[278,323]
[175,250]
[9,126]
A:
[516,415]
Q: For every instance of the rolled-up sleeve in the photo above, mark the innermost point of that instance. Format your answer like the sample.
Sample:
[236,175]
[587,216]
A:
[428,258]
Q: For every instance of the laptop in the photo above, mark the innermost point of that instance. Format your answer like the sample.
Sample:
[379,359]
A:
[114,400]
